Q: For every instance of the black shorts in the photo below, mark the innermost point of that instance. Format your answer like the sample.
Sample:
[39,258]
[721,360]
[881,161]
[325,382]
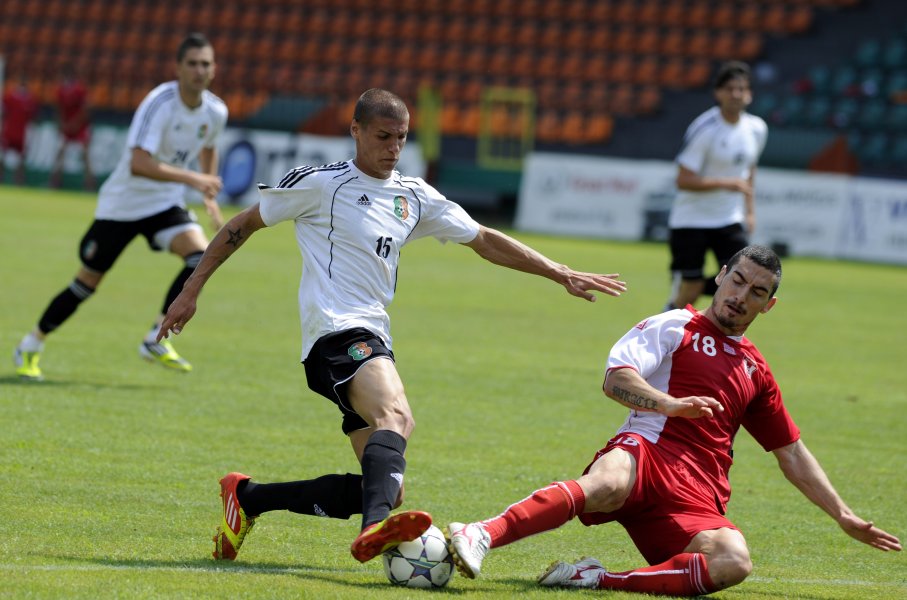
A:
[334,360]
[105,240]
[689,247]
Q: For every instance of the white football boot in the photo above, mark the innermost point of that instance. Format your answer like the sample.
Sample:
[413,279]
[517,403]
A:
[469,543]
[585,573]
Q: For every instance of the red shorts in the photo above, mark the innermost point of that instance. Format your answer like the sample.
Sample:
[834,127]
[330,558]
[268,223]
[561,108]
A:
[13,141]
[667,506]
[81,136]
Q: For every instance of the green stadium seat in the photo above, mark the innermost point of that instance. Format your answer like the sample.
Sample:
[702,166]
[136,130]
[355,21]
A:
[817,111]
[898,154]
[819,78]
[873,149]
[843,79]
[896,119]
[869,53]
[872,115]
[896,82]
[792,110]
[764,104]
[895,54]
[844,112]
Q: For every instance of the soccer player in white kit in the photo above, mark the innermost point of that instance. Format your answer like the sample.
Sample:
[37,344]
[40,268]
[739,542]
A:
[177,123]
[691,380]
[716,170]
[351,220]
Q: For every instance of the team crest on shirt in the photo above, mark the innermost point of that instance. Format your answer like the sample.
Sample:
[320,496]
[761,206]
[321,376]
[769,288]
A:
[749,366]
[202,130]
[359,351]
[401,207]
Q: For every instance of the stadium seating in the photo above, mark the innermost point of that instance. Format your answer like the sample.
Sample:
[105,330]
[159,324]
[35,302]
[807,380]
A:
[587,60]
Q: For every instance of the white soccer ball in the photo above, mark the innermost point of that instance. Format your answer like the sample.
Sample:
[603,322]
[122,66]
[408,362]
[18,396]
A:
[422,563]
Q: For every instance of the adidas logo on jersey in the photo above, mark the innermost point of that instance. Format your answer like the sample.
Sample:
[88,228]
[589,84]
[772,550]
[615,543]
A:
[363,201]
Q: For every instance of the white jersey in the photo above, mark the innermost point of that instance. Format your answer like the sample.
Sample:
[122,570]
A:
[172,133]
[712,147]
[350,228]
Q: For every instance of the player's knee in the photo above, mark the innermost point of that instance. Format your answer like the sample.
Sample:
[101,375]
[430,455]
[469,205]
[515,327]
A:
[730,567]
[604,492]
[397,418]
[400,497]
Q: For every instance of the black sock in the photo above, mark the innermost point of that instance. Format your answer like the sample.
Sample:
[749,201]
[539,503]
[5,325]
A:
[177,286]
[383,466]
[335,496]
[64,305]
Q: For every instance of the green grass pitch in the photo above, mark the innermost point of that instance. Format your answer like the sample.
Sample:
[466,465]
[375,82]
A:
[108,484]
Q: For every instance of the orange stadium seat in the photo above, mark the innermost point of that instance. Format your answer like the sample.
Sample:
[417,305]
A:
[699,44]
[548,126]
[723,16]
[599,127]
[575,37]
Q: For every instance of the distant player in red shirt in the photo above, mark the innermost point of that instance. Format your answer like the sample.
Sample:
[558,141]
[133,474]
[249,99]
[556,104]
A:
[691,380]
[19,108]
[75,125]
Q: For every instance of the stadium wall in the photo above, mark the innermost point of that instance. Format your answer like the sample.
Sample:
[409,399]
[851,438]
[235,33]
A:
[803,213]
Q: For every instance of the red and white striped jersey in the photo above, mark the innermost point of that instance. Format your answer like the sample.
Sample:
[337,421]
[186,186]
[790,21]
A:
[682,353]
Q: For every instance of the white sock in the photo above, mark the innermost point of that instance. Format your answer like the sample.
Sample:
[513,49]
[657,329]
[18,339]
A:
[31,343]
[151,336]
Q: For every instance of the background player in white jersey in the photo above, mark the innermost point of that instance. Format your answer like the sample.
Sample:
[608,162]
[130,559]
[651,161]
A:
[177,123]
[716,170]
[691,380]
[352,218]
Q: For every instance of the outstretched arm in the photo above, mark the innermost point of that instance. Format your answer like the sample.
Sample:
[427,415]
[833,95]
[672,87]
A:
[803,470]
[227,241]
[626,386]
[501,249]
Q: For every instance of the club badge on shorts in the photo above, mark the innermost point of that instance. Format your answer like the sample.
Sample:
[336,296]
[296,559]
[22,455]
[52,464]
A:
[359,351]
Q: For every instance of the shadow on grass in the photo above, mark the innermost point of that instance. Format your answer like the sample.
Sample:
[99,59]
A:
[15,380]
[334,576]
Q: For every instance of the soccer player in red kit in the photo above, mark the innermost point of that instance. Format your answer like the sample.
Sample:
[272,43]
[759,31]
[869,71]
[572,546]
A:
[19,108]
[691,380]
[74,122]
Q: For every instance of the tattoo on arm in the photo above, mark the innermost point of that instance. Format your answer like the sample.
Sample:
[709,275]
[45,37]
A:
[236,237]
[635,399]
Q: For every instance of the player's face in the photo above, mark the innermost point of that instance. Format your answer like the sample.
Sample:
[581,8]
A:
[379,144]
[196,71]
[743,294]
[735,95]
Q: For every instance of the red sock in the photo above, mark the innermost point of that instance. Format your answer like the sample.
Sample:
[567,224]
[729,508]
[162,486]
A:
[547,508]
[683,575]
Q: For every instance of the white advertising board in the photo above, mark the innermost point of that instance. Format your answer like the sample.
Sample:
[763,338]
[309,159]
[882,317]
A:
[812,214]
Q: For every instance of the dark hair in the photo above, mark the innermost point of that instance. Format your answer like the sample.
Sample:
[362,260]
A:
[763,256]
[193,40]
[379,103]
[731,70]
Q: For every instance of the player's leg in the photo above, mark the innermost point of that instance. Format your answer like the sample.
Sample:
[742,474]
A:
[376,394]
[726,554]
[714,560]
[88,178]
[174,230]
[99,248]
[338,496]
[688,249]
[604,487]
[725,242]
[56,172]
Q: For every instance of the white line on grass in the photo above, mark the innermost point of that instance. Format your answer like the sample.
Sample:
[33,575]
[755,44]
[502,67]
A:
[303,570]
[181,568]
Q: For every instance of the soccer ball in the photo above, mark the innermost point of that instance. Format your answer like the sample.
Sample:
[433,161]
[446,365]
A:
[421,563]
